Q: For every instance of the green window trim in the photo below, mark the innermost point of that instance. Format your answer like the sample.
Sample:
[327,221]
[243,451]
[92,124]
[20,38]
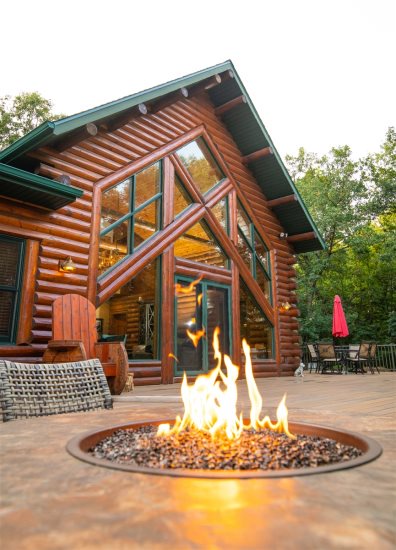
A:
[15,289]
[251,243]
[130,217]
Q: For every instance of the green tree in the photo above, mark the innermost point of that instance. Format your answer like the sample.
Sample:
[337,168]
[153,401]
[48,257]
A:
[21,114]
[352,203]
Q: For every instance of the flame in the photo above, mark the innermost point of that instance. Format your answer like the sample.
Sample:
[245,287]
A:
[210,404]
[196,336]
[199,299]
[173,357]
[180,289]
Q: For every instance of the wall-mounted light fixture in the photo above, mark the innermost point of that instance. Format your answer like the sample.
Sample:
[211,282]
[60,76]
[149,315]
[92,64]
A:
[284,306]
[67,265]
[283,235]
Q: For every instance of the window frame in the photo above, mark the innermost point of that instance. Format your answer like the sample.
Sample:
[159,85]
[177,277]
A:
[130,216]
[253,235]
[17,289]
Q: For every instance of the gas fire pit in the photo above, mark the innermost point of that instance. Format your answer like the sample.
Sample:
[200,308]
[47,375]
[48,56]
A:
[137,448]
[212,440]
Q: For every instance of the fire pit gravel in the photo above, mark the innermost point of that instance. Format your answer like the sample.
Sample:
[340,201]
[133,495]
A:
[263,450]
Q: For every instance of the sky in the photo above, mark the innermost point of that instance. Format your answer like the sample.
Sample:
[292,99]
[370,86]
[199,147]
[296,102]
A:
[321,73]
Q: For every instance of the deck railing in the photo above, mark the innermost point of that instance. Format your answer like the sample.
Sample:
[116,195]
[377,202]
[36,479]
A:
[385,357]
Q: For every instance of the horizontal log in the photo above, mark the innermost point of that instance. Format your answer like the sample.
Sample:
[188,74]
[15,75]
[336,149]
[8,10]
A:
[19,351]
[229,105]
[144,372]
[308,236]
[59,288]
[281,200]
[261,153]
[72,138]
[42,311]
[61,251]
[147,381]
[169,99]
[200,270]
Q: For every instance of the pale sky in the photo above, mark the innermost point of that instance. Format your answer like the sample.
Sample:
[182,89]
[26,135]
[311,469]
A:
[321,73]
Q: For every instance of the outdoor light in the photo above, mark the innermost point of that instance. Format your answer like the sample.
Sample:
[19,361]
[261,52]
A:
[283,235]
[67,265]
[285,306]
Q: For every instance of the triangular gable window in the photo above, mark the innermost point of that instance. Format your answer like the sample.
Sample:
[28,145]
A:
[199,245]
[200,164]
[181,198]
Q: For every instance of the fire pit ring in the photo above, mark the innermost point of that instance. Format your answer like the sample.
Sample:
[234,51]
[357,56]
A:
[80,445]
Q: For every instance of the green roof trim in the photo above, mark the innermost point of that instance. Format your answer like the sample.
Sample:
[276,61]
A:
[35,189]
[245,126]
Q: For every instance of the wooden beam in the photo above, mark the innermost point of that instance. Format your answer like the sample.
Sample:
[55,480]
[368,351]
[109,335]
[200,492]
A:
[87,131]
[281,200]
[221,109]
[261,153]
[205,85]
[124,117]
[169,99]
[308,236]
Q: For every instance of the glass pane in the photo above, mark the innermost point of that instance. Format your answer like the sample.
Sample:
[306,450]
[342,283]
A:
[244,222]
[255,327]
[189,317]
[201,165]
[220,211]
[199,245]
[132,315]
[146,222]
[9,262]
[115,203]
[113,246]
[263,281]
[147,184]
[218,316]
[261,251]
[244,251]
[6,314]
[181,199]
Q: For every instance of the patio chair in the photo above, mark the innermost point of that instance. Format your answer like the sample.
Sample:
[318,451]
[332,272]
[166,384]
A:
[74,338]
[313,357]
[328,358]
[28,389]
[372,364]
[359,357]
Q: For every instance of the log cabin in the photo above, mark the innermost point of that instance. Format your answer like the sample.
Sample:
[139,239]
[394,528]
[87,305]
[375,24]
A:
[176,212]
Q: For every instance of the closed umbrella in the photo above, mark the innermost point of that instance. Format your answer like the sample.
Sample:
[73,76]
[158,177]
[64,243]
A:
[340,327]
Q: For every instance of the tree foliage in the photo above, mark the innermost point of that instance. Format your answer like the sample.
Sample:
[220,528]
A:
[21,114]
[353,204]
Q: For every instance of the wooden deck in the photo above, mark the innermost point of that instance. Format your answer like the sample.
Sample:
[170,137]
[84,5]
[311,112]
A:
[52,501]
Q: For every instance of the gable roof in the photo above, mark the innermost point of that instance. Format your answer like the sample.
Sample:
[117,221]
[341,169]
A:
[243,122]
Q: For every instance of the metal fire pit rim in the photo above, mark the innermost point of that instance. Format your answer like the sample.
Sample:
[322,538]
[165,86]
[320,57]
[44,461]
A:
[79,445]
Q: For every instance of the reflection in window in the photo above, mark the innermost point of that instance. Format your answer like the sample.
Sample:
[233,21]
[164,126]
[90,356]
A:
[198,244]
[132,315]
[130,214]
[200,164]
[181,198]
[255,327]
[254,252]
[220,210]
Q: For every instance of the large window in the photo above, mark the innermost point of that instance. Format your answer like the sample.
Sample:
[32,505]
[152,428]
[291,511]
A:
[11,262]
[130,215]
[255,327]
[131,315]
[199,244]
[254,252]
[200,164]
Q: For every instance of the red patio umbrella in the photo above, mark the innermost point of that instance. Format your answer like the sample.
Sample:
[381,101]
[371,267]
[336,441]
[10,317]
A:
[340,327]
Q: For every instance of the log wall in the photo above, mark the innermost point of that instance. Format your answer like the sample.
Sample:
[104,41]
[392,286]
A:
[67,232]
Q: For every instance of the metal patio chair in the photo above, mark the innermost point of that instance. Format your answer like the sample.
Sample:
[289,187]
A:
[313,357]
[328,358]
[359,357]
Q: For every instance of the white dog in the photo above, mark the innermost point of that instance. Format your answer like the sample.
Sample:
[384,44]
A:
[300,370]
